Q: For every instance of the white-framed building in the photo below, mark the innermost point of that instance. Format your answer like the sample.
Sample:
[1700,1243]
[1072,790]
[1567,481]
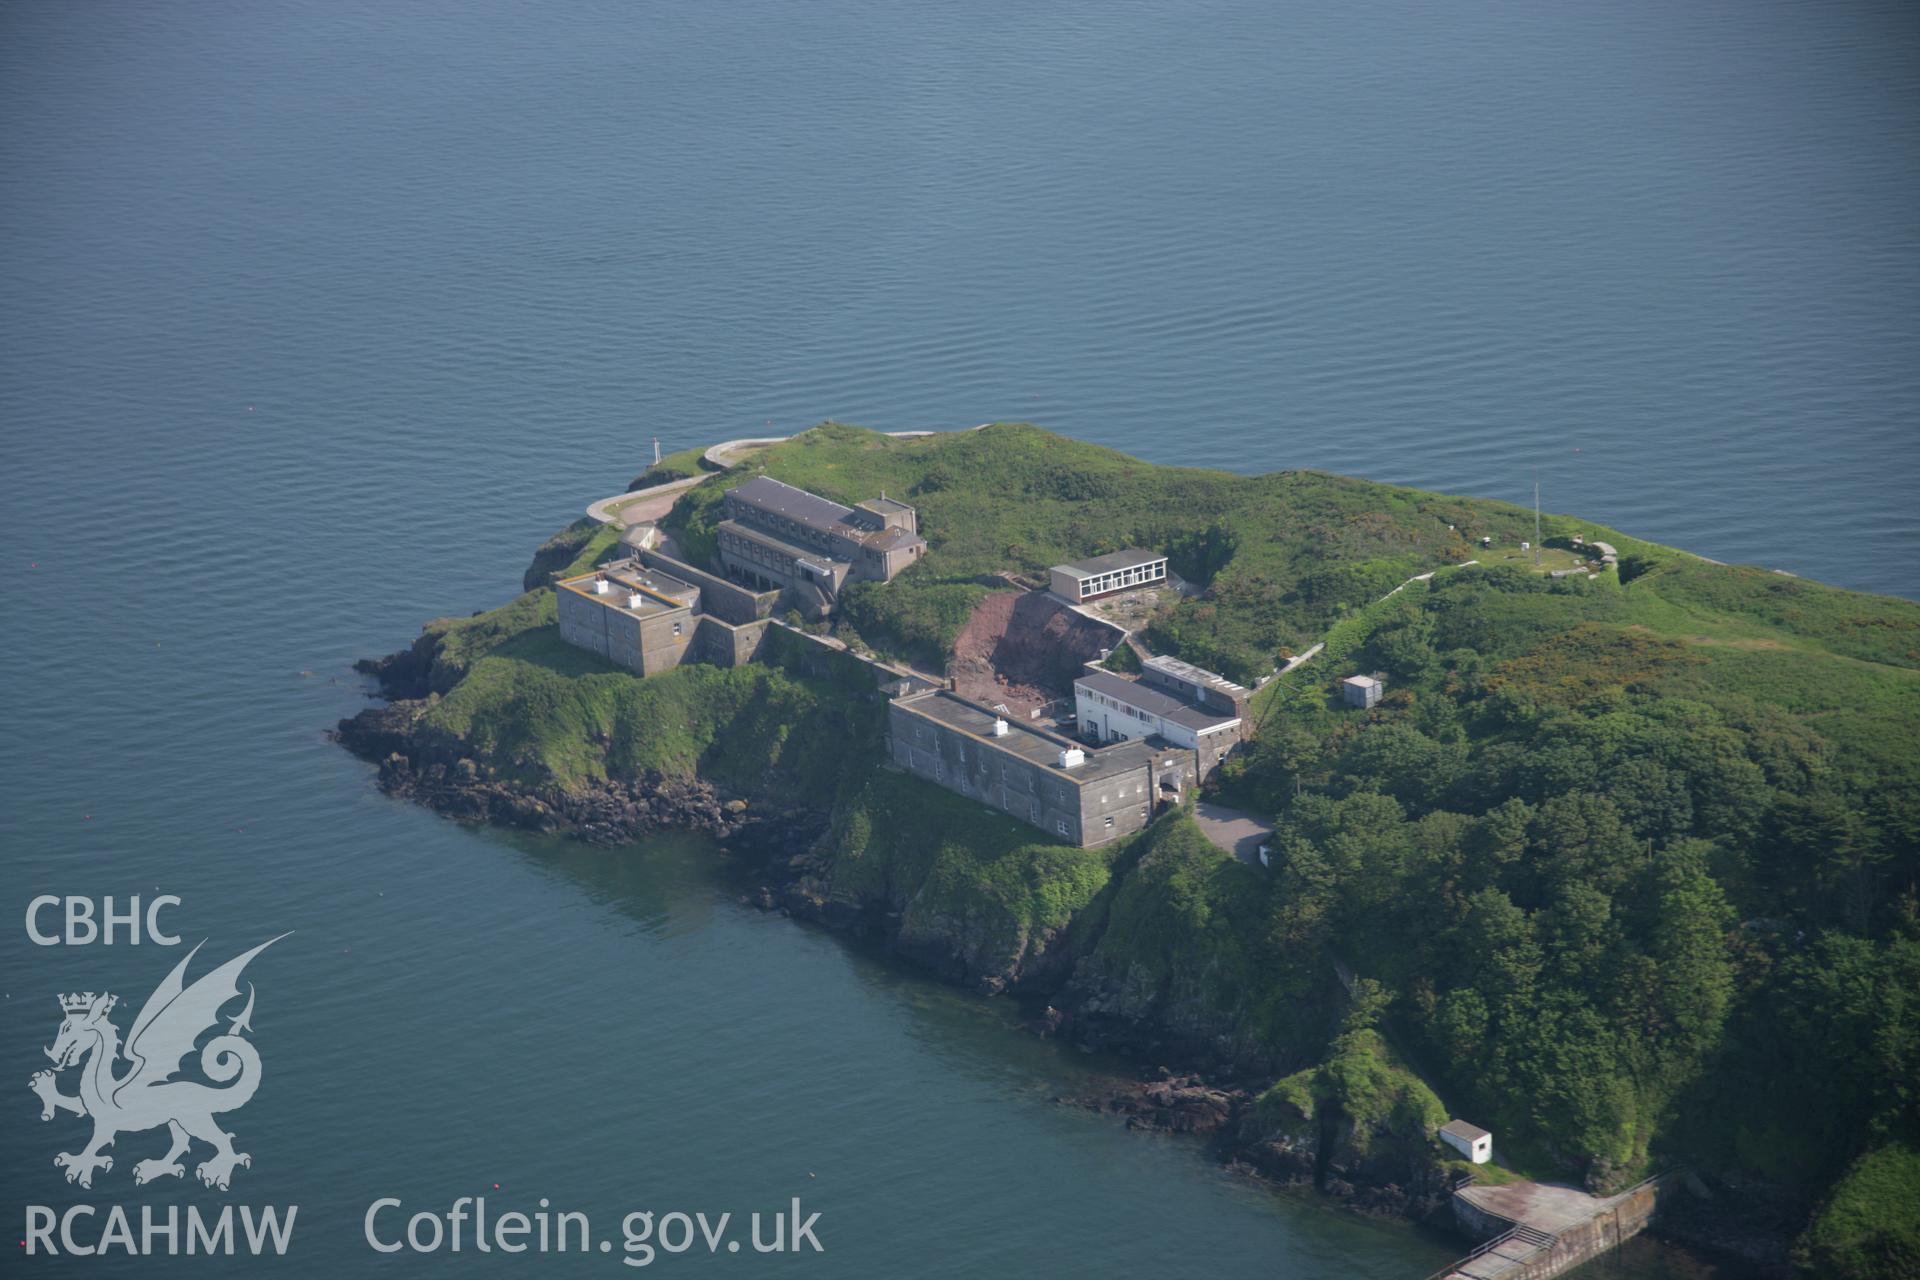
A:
[1112,708]
[1470,1140]
[1104,575]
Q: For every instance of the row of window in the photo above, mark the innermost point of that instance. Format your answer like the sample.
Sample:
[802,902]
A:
[1137,576]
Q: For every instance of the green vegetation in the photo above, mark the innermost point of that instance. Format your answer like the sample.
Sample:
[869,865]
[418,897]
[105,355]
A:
[1183,934]
[1639,872]
[1282,556]
[544,711]
[675,466]
[1629,866]
[1871,1225]
[1359,1083]
[575,548]
[958,871]
[916,615]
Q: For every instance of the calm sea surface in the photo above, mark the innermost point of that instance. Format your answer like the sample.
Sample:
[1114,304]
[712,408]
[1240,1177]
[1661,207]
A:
[316,318]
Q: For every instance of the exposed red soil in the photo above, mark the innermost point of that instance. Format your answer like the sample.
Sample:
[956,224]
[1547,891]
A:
[1022,649]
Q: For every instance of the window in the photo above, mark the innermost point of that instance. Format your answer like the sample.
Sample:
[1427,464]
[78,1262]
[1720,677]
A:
[940,769]
[676,628]
[1061,825]
[1034,809]
[1109,822]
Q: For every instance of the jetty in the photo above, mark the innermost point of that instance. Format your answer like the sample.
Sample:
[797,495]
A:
[1537,1230]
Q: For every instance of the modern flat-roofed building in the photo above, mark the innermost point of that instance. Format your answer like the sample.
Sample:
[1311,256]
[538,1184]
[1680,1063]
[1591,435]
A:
[1112,708]
[1104,575]
[1075,795]
[778,537]
[637,617]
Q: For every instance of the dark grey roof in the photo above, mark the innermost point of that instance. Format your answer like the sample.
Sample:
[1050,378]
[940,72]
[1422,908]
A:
[809,509]
[1111,561]
[888,539]
[1036,746]
[886,504]
[1151,700]
[1461,1129]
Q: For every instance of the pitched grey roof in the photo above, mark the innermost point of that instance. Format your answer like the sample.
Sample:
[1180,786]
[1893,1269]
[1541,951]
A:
[809,509]
[1151,700]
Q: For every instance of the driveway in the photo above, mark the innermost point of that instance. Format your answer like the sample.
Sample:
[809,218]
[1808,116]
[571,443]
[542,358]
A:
[1240,834]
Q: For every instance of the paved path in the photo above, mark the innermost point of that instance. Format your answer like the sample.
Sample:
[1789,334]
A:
[642,506]
[647,506]
[1240,834]
[722,455]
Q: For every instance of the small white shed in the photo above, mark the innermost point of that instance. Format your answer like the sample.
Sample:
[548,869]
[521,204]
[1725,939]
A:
[1471,1141]
[1360,691]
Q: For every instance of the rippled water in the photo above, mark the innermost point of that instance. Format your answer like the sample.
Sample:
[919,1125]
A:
[316,319]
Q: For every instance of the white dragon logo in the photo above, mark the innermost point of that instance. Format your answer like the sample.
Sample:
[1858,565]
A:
[147,1095]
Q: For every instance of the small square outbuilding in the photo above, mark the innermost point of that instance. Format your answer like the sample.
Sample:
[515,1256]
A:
[1470,1140]
[1360,691]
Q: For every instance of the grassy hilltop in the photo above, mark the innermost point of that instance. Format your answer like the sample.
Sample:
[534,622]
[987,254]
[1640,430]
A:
[1281,555]
[1627,866]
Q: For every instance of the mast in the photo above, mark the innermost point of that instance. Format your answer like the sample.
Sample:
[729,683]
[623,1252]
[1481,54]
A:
[1536,519]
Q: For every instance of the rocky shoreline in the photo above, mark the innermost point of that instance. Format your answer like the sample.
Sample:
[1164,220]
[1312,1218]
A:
[1211,1095]
[1300,1154]
[416,767]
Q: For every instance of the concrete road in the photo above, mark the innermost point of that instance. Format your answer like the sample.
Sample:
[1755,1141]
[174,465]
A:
[1240,834]
[643,506]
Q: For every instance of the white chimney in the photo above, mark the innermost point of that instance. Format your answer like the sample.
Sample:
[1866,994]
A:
[1072,757]
[635,600]
[599,586]
[999,728]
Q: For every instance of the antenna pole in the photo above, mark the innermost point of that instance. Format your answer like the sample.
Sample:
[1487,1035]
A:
[656,451]
[1536,519]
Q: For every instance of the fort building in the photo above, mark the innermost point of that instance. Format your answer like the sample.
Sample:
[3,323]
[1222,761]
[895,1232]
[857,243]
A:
[648,621]
[1103,575]
[1196,685]
[1073,794]
[1112,708]
[777,537]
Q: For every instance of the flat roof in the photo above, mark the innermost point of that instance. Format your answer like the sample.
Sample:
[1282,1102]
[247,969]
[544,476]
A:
[1365,682]
[1461,1129]
[1035,746]
[1194,675]
[1152,701]
[1110,562]
[659,592]
[889,538]
[885,504]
